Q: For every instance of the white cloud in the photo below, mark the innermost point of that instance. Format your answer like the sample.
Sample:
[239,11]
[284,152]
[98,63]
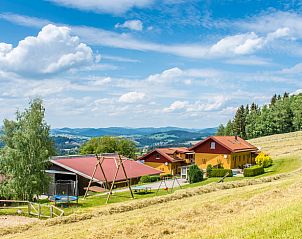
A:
[249,61]
[296,69]
[115,6]
[211,104]
[132,97]
[53,50]
[297,92]
[170,74]
[24,20]
[119,59]
[240,44]
[237,44]
[175,106]
[136,25]
[270,22]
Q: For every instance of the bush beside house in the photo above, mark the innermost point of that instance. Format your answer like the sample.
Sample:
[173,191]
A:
[253,171]
[195,174]
[263,160]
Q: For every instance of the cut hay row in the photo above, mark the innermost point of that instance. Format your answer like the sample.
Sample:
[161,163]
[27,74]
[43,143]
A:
[144,203]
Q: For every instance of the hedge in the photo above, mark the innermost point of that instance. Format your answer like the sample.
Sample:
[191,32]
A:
[155,178]
[149,179]
[220,172]
[253,171]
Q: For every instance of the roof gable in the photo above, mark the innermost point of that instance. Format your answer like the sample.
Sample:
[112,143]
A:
[167,153]
[231,143]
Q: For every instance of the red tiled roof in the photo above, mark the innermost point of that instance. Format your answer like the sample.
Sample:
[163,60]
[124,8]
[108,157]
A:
[169,152]
[84,166]
[231,143]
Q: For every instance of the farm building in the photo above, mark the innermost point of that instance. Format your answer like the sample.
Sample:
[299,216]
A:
[168,160]
[80,169]
[227,151]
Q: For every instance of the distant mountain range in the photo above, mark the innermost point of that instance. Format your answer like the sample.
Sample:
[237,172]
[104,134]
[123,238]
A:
[123,131]
[68,140]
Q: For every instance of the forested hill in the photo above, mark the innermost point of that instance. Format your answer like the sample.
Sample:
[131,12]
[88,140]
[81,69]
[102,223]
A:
[282,115]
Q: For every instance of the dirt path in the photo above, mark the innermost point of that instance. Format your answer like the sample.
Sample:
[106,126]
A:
[8,221]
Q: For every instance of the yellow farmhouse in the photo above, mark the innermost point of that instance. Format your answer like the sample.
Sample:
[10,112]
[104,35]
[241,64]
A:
[226,151]
[168,160]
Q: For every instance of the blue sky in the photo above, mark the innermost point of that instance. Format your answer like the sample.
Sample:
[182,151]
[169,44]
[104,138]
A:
[141,63]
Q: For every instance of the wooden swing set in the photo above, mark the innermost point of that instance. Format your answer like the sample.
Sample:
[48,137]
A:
[163,182]
[119,162]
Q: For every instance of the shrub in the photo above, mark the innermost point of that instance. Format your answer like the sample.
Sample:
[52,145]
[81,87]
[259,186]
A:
[220,172]
[263,160]
[195,174]
[154,178]
[145,179]
[209,169]
[253,171]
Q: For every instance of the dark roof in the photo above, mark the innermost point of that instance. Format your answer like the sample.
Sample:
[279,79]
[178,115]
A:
[168,153]
[84,166]
[232,143]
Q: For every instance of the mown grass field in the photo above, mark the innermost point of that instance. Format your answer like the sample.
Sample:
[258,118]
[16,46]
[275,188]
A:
[266,207]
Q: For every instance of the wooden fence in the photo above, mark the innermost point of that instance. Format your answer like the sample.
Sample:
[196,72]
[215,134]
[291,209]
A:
[34,209]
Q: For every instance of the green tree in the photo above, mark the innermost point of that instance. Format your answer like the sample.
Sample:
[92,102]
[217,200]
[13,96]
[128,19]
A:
[239,122]
[220,130]
[109,144]
[195,174]
[25,155]
[296,106]
[229,128]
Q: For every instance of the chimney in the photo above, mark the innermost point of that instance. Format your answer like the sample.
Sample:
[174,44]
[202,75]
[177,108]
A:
[236,137]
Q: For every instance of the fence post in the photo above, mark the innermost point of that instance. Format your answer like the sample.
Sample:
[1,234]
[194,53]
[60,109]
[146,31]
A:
[51,211]
[29,206]
[39,211]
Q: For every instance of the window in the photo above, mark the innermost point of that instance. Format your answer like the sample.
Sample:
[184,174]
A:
[189,156]
[204,161]
[157,156]
[213,145]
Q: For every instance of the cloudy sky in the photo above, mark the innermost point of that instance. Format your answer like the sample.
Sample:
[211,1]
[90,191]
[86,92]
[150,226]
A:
[139,63]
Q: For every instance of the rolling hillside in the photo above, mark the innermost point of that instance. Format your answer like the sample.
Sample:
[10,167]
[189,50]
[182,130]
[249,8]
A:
[267,207]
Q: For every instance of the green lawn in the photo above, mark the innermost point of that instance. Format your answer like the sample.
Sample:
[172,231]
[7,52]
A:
[281,165]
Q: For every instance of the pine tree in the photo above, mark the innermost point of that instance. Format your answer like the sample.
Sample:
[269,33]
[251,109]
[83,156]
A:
[220,130]
[239,122]
[229,128]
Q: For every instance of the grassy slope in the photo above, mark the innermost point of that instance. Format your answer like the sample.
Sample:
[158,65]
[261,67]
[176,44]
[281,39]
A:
[266,210]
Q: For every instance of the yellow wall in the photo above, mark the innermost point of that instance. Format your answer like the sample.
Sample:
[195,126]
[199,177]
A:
[239,159]
[171,168]
[203,160]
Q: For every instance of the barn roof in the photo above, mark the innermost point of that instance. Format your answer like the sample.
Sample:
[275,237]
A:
[232,143]
[84,166]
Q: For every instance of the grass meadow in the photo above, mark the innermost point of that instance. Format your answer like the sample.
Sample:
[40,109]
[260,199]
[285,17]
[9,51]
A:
[268,206]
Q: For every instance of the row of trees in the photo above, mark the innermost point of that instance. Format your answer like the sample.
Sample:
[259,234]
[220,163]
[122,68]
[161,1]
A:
[282,115]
